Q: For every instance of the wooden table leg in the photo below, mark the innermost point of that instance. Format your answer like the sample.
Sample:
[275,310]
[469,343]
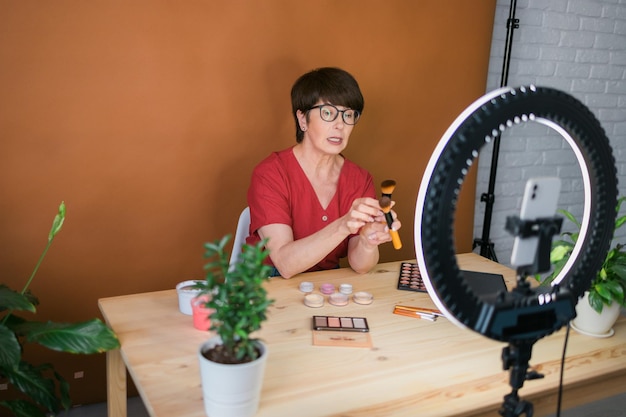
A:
[116,384]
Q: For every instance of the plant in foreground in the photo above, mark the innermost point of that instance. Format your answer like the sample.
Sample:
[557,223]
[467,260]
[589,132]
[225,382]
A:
[238,299]
[44,389]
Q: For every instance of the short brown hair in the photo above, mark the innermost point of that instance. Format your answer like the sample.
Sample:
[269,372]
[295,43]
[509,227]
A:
[333,85]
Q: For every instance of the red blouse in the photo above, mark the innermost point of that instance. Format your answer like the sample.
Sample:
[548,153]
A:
[281,193]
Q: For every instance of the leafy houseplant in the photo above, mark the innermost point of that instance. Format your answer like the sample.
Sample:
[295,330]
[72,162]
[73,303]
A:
[237,298]
[35,381]
[232,364]
[609,285]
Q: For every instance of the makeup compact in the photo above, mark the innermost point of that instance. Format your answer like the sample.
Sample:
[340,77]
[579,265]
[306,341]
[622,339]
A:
[410,278]
[363,297]
[347,324]
[314,300]
[338,299]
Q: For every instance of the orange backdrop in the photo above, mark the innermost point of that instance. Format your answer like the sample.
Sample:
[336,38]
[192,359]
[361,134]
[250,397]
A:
[147,117]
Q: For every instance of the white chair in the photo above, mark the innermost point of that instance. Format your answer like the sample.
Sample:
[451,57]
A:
[243,230]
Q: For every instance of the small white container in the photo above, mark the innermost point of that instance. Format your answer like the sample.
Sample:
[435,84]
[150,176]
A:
[186,293]
[345,289]
[306,286]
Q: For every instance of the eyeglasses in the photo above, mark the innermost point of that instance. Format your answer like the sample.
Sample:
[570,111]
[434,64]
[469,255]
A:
[329,113]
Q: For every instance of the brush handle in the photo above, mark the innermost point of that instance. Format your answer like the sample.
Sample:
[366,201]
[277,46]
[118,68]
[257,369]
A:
[395,237]
[423,310]
[415,315]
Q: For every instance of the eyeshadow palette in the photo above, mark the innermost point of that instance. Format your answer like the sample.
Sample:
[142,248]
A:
[410,278]
[348,324]
[481,283]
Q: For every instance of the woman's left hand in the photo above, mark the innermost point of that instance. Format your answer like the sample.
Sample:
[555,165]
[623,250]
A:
[377,232]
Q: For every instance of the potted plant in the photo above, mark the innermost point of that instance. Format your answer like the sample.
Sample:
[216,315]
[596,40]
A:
[599,308]
[232,362]
[40,383]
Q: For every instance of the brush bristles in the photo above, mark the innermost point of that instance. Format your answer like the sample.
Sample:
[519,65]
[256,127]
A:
[388,186]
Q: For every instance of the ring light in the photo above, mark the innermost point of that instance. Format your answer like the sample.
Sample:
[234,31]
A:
[538,312]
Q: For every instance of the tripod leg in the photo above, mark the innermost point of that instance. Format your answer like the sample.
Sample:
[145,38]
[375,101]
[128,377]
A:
[514,407]
[515,358]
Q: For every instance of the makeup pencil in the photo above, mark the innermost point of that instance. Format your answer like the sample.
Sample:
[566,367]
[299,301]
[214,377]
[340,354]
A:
[385,205]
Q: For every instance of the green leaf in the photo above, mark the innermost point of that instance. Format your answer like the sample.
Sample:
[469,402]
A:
[13,300]
[595,301]
[603,290]
[10,349]
[31,381]
[57,223]
[87,337]
[615,289]
[64,389]
[619,270]
[570,217]
[619,222]
[23,408]
[559,252]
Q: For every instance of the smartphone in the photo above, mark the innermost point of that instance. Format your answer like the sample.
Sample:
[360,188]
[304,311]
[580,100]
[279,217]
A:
[540,201]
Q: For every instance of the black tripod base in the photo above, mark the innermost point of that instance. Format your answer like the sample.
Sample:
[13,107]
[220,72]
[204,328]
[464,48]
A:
[515,358]
[487,249]
[513,406]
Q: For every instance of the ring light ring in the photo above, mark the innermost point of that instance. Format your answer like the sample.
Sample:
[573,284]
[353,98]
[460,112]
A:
[480,123]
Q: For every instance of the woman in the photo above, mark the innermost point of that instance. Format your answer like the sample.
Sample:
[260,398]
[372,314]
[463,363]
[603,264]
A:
[312,204]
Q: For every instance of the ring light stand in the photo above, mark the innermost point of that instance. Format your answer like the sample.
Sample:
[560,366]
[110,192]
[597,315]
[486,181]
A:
[524,315]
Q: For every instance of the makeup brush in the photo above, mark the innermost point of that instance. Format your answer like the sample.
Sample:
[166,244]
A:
[385,205]
[415,314]
[421,310]
[387,187]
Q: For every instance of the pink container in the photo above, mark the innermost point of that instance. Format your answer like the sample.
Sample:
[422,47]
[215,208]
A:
[327,288]
[201,314]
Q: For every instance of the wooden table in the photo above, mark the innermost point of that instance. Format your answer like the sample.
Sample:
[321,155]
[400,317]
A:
[416,367]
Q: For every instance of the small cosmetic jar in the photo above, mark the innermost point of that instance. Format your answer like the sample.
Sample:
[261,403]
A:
[345,289]
[327,288]
[362,297]
[306,286]
[201,314]
[338,299]
[186,292]
[313,300]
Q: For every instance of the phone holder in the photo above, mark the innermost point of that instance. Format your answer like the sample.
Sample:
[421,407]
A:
[516,356]
[545,229]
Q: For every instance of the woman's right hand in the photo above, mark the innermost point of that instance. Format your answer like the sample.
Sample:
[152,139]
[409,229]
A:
[363,211]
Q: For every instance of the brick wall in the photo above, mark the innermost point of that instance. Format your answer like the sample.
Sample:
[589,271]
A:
[577,46]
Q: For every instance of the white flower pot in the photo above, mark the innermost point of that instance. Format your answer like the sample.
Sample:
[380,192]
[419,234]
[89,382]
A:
[231,390]
[186,293]
[591,323]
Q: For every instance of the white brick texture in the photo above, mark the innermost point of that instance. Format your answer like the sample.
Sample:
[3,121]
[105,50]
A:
[578,46]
